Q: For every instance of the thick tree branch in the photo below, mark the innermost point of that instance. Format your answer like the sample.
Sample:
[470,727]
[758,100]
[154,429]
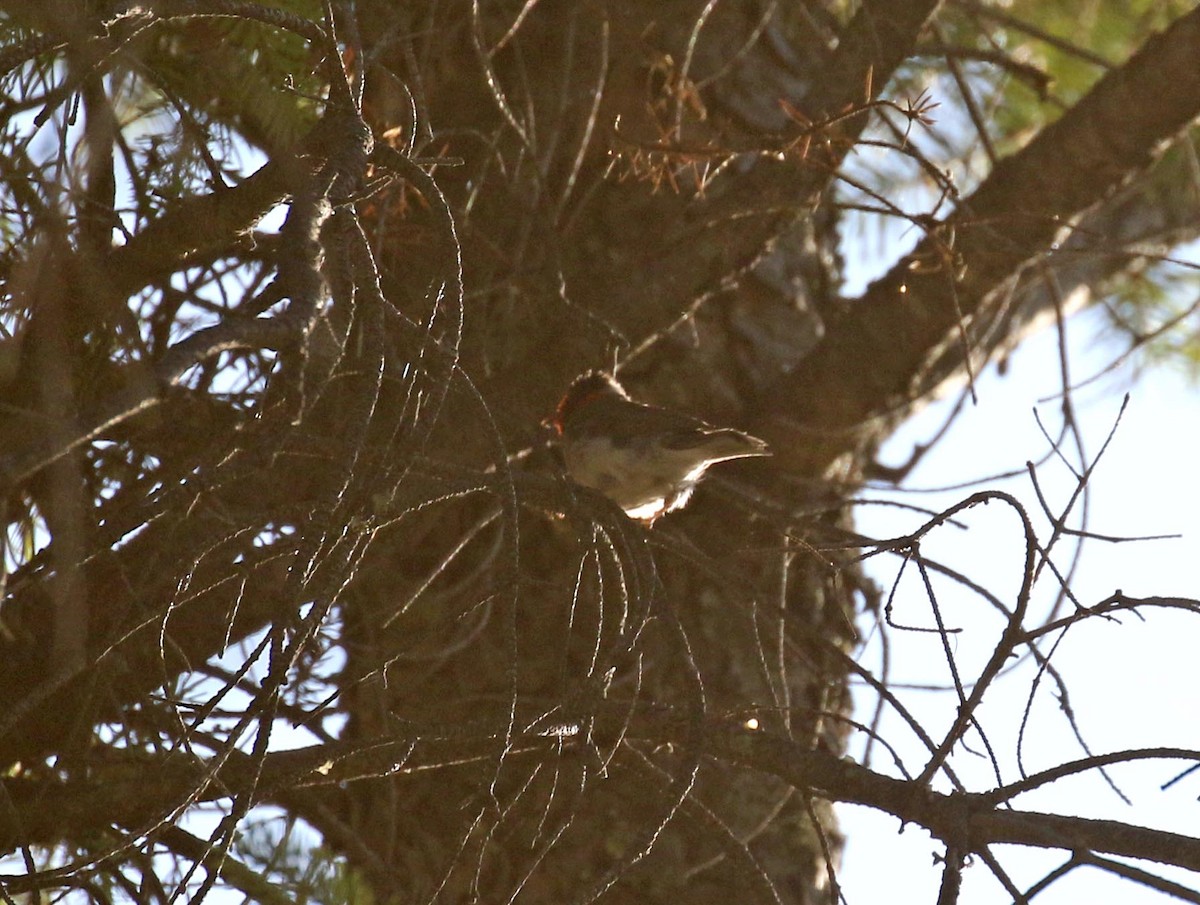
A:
[137,789]
[878,39]
[968,821]
[684,250]
[1020,211]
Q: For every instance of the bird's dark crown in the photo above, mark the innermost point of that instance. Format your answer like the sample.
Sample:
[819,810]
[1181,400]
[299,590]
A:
[585,388]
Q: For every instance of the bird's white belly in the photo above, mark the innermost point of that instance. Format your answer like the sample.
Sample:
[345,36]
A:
[631,478]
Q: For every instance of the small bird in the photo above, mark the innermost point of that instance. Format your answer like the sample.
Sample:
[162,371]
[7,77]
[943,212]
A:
[646,459]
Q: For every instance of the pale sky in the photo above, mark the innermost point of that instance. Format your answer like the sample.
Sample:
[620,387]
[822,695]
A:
[1132,684]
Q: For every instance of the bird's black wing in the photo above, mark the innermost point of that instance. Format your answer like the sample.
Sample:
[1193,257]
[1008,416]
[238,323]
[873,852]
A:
[635,424]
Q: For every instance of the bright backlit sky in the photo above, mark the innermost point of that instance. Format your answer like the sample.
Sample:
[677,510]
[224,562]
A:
[1132,684]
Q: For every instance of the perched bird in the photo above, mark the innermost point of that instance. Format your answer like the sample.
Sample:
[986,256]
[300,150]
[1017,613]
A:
[646,459]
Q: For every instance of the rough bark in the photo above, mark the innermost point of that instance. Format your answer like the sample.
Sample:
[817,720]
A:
[540,695]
